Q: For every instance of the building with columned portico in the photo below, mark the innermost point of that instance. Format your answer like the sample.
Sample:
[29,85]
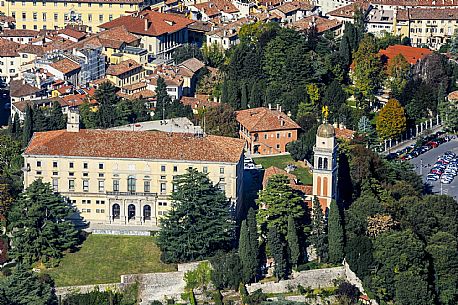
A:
[125,178]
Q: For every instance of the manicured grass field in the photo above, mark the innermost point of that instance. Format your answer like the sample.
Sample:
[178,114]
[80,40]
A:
[103,258]
[302,173]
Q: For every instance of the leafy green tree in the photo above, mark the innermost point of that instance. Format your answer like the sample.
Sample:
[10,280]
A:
[89,118]
[391,121]
[24,287]
[293,242]
[10,149]
[227,270]
[38,225]
[256,95]
[442,247]
[368,68]
[106,97]
[276,203]
[335,97]
[213,55]
[186,51]
[221,121]
[318,236]
[277,250]
[302,149]
[449,114]
[199,223]
[27,130]
[335,234]
[402,269]
[139,111]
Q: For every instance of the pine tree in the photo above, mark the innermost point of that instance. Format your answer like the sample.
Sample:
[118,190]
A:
[318,235]
[40,120]
[277,202]
[293,242]
[335,234]
[57,119]
[107,98]
[277,250]
[24,287]
[28,126]
[39,227]
[199,223]
[244,97]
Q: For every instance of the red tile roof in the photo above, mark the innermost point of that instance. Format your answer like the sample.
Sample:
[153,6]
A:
[150,145]
[65,66]
[8,48]
[18,88]
[122,67]
[430,13]
[150,23]
[347,11]
[270,171]
[263,119]
[453,96]
[72,33]
[322,24]
[18,33]
[344,133]
[196,102]
[411,54]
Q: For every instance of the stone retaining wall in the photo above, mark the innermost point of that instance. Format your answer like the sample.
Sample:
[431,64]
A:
[64,291]
[318,278]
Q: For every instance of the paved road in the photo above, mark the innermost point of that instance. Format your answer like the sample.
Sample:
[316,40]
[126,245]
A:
[430,157]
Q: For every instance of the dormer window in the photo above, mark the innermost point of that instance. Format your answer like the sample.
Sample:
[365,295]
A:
[170,22]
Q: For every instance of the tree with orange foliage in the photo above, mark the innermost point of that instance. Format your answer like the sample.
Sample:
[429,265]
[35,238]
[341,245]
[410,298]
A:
[391,121]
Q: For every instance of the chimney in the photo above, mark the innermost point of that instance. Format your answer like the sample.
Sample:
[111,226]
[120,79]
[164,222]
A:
[277,106]
[73,120]
[146,24]
[270,106]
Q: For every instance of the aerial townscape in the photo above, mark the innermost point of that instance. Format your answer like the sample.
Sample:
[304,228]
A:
[228,152]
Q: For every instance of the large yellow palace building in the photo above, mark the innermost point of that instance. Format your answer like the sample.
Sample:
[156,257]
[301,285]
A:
[46,14]
[125,178]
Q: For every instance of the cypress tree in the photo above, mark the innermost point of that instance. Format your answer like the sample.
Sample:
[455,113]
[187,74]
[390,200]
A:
[28,126]
[40,120]
[345,52]
[254,239]
[255,96]
[293,242]
[163,100]
[224,92]
[244,97]
[335,234]
[277,250]
[318,236]
[16,127]
[106,96]
[244,252]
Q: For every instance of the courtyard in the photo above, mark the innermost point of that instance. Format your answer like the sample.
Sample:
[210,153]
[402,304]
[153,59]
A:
[104,258]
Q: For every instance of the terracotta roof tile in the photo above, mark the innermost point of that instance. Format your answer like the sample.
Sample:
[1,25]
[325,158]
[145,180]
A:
[431,13]
[150,23]
[344,133]
[263,119]
[20,89]
[196,102]
[411,54]
[347,11]
[72,33]
[122,67]
[453,96]
[192,64]
[136,145]
[8,48]
[65,65]
[322,24]
[18,33]
[273,170]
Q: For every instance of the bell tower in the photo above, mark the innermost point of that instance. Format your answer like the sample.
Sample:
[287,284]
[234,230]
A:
[325,164]
[73,120]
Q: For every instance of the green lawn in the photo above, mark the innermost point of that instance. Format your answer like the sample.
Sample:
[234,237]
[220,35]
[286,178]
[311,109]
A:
[103,258]
[302,172]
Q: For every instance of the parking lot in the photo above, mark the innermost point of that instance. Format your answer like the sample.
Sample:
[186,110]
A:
[425,162]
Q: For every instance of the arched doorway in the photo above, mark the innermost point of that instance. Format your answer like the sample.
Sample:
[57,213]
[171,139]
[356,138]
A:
[131,212]
[147,212]
[116,211]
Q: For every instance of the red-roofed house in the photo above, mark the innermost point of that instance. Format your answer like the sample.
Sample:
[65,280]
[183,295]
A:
[411,54]
[266,131]
[160,33]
